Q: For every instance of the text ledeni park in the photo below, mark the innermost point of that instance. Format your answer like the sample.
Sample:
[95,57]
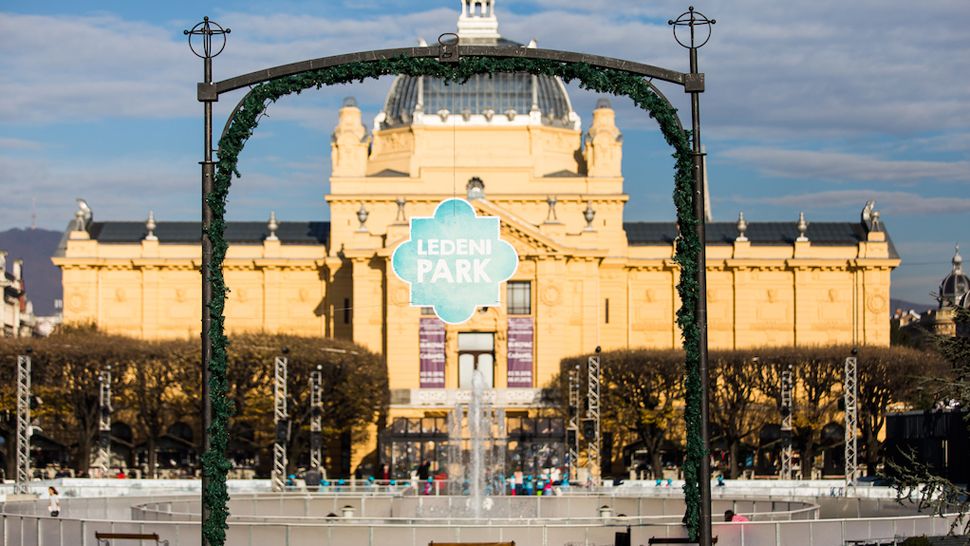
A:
[466,270]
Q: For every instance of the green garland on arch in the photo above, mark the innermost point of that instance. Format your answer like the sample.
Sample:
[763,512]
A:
[600,80]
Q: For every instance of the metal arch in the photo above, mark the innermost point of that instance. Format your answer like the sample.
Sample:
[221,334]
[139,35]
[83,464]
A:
[282,71]
[598,61]
[692,83]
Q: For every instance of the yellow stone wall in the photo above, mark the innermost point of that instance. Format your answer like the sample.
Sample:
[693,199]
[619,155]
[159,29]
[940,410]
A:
[798,294]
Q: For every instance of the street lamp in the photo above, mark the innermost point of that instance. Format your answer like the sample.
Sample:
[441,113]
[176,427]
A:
[699,27]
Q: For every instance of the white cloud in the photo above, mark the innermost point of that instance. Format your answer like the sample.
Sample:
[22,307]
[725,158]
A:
[20,144]
[893,202]
[795,69]
[106,67]
[125,188]
[791,70]
[846,167]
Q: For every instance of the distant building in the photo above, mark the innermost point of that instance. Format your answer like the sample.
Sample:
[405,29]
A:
[18,314]
[953,293]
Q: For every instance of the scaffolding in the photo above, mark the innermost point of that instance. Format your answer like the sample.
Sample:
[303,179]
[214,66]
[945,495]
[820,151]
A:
[851,421]
[281,421]
[316,418]
[572,427]
[102,460]
[787,406]
[22,485]
[593,415]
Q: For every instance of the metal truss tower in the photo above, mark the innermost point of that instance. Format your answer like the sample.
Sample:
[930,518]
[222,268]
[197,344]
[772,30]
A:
[593,413]
[102,460]
[850,386]
[787,395]
[281,420]
[22,485]
[316,418]
[572,428]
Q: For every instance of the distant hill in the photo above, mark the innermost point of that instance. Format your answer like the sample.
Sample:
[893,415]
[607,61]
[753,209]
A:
[907,305]
[41,277]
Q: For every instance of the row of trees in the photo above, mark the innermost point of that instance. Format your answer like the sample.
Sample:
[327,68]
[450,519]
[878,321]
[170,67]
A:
[157,384]
[642,394]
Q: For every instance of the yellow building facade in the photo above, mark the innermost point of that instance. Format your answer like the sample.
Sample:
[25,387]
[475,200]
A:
[514,147]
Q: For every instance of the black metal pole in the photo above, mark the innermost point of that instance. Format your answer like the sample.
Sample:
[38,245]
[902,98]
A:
[208,173]
[704,474]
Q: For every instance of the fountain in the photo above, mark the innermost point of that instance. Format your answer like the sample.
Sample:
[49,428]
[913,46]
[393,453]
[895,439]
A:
[475,457]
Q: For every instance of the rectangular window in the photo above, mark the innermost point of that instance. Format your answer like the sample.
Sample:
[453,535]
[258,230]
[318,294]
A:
[476,351]
[346,310]
[607,310]
[519,296]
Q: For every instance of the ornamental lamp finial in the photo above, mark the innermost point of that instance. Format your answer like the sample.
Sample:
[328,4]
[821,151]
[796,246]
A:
[551,215]
[589,215]
[362,215]
[272,226]
[150,227]
[802,228]
[742,228]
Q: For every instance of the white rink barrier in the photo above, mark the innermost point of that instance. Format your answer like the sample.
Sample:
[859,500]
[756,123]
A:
[380,517]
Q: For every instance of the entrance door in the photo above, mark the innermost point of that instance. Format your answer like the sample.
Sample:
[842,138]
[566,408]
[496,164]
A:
[476,351]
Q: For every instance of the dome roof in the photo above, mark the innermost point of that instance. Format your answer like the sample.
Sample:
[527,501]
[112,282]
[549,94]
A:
[505,98]
[955,286]
[482,98]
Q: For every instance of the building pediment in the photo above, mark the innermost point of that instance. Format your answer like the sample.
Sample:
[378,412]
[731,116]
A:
[525,237]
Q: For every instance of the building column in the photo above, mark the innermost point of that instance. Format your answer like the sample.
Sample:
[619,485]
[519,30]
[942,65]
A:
[149,302]
[271,299]
[367,303]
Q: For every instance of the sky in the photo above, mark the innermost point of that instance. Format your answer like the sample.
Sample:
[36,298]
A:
[810,106]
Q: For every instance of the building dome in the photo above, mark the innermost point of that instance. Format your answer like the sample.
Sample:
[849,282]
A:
[955,286]
[505,98]
[483,98]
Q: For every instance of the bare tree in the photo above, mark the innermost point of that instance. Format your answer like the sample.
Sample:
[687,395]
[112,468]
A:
[153,391]
[738,408]
[640,397]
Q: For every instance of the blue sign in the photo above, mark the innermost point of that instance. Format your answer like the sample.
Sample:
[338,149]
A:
[454,261]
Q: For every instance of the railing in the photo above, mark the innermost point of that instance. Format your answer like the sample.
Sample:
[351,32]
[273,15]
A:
[511,511]
[18,530]
[297,519]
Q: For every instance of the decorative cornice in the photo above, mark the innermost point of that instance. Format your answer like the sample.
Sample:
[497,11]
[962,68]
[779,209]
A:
[496,198]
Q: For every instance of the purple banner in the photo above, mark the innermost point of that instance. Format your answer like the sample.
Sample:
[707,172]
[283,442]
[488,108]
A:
[431,346]
[521,336]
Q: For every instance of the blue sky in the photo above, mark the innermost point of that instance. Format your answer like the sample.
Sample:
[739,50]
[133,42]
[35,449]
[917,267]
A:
[811,106]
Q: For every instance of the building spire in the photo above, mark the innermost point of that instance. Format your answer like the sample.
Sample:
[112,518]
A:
[478,20]
[957,261]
